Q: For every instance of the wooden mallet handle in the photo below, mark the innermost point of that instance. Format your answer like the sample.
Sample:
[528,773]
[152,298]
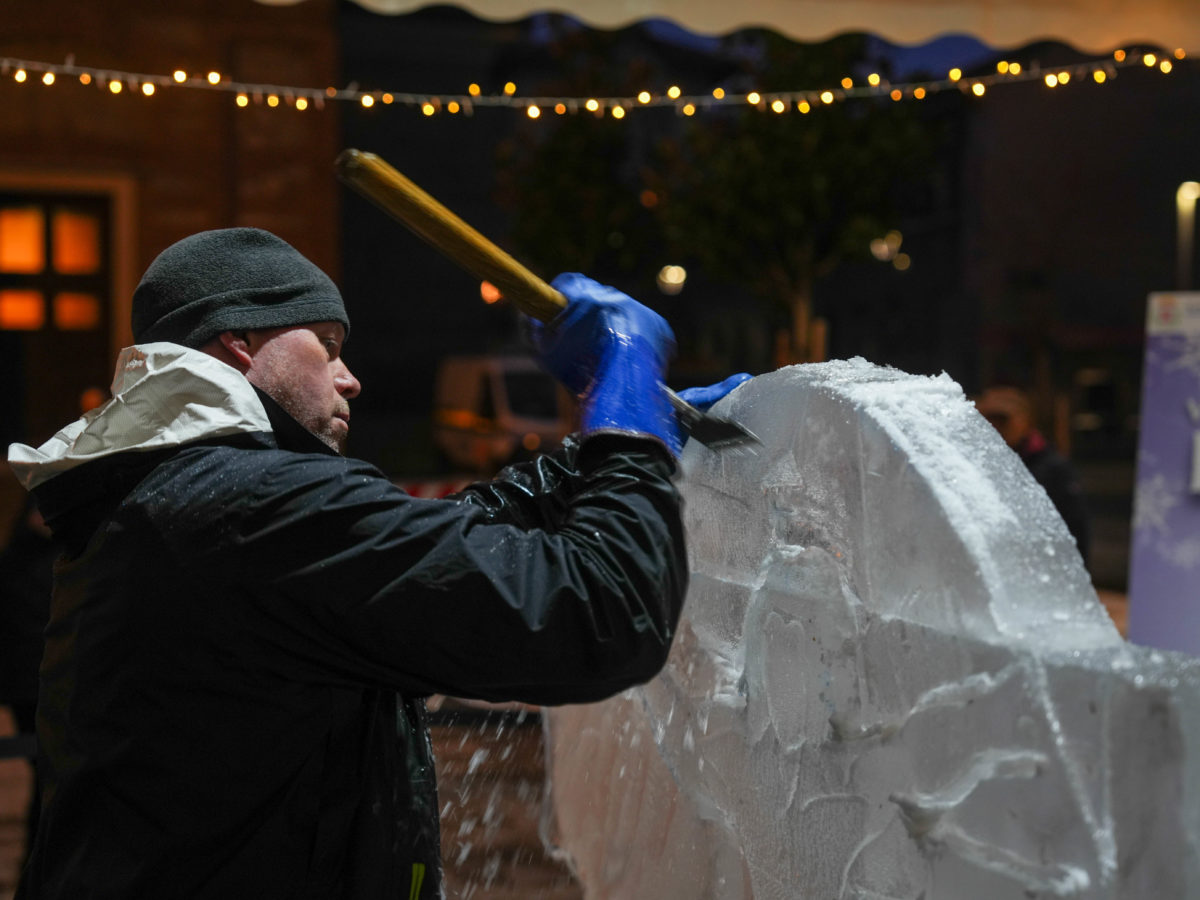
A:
[395,194]
[433,222]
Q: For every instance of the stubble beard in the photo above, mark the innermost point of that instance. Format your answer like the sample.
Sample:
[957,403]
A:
[336,442]
[321,424]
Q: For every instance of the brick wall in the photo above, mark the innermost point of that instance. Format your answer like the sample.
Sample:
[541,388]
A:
[188,159]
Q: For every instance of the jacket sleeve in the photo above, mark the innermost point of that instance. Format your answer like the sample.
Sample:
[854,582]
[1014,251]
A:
[562,582]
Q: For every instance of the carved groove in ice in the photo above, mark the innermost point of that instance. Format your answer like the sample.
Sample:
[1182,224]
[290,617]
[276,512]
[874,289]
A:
[893,680]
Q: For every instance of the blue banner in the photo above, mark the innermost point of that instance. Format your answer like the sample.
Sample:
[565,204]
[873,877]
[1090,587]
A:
[1164,574]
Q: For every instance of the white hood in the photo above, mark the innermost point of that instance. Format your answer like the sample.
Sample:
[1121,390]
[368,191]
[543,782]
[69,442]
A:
[164,395]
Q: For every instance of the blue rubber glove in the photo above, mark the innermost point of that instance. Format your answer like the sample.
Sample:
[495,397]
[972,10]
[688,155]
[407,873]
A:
[704,397]
[611,351]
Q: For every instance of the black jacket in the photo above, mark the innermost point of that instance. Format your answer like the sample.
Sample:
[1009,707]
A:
[1061,483]
[244,627]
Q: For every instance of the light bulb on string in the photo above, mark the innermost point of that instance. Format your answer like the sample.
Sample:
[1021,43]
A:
[117,82]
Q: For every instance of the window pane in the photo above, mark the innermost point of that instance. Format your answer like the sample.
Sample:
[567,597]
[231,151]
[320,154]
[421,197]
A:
[22,310]
[76,242]
[22,239]
[76,312]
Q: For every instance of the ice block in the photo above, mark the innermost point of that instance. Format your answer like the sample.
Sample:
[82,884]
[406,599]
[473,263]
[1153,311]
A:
[893,680]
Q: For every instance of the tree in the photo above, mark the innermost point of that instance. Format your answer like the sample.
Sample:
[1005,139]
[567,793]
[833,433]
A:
[768,202]
[574,181]
[775,201]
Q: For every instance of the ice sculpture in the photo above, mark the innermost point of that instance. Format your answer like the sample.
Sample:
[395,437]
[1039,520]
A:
[894,681]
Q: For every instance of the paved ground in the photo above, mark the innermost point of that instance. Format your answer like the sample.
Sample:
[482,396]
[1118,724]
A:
[15,780]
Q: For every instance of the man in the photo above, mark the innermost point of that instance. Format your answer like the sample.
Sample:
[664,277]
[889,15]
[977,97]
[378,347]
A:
[245,623]
[1010,412]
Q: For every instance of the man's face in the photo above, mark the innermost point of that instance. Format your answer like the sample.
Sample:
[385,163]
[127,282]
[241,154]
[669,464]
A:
[1007,412]
[1012,427]
[301,368]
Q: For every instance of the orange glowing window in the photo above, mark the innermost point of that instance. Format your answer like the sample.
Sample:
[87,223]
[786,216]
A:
[76,312]
[22,239]
[22,310]
[76,243]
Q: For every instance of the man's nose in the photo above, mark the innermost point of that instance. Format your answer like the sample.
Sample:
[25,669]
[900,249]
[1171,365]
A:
[345,382]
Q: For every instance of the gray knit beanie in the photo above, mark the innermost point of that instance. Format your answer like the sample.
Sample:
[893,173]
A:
[228,280]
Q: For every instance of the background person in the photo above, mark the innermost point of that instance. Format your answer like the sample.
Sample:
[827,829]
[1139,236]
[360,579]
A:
[1011,413]
[245,624]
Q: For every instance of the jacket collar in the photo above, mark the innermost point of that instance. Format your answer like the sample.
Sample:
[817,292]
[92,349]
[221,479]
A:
[164,395]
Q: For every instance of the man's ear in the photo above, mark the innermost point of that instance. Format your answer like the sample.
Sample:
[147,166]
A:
[232,348]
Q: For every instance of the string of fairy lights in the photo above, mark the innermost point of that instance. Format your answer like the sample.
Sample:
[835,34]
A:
[874,85]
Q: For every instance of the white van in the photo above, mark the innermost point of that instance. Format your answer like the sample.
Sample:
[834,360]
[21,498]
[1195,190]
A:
[489,411]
